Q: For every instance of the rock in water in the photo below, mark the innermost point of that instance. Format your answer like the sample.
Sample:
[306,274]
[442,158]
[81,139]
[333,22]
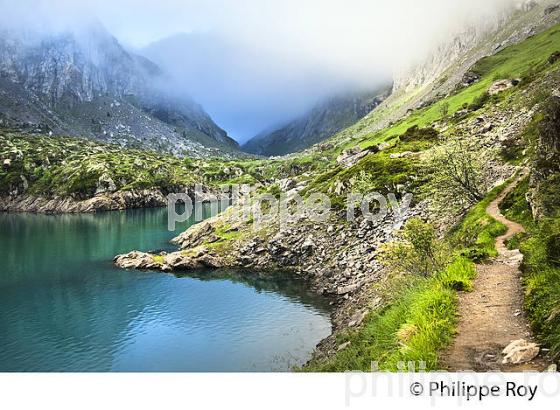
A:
[136,260]
[520,351]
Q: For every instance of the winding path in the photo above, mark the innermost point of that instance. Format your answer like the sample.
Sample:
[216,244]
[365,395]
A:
[492,315]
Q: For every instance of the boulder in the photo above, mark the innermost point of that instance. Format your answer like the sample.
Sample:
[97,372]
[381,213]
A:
[178,261]
[351,156]
[195,235]
[520,351]
[401,154]
[325,147]
[486,128]
[460,113]
[308,246]
[105,184]
[210,261]
[551,9]
[469,78]
[502,85]
[135,260]
[343,290]
[287,184]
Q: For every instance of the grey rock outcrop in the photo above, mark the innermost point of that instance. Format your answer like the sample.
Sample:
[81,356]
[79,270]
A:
[502,85]
[337,259]
[353,155]
[107,201]
[85,84]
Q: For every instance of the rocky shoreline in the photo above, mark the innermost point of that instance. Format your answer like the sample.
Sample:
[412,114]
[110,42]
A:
[337,260]
[102,202]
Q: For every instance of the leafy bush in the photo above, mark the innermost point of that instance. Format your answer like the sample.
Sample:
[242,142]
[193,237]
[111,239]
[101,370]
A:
[417,251]
[542,288]
[550,237]
[416,133]
[456,179]
[479,102]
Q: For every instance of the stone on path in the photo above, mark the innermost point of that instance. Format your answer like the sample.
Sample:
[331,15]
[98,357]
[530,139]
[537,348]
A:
[520,351]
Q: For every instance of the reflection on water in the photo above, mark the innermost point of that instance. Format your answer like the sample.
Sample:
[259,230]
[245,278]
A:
[65,307]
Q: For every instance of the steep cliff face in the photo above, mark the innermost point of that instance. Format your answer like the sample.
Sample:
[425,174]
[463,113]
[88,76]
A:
[447,53]
[86,84]
[447,67]
[72,68]
[448,63]
[322,122]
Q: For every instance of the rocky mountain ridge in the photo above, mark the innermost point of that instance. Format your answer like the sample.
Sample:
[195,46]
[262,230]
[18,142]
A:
[322,122]
[86,84]
[473,41]
[448,68]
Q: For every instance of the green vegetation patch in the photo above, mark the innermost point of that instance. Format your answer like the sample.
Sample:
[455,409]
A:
[159,259]
[541,267]
[525,61]
[476,234]
[376,172]
[60,166]
[418,322]
[421,314]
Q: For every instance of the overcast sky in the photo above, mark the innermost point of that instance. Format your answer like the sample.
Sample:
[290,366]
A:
[254,64]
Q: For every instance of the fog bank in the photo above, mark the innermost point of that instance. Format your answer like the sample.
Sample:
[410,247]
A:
[256,63]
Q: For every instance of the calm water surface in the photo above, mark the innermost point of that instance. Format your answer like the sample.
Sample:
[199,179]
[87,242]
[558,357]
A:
[65,307]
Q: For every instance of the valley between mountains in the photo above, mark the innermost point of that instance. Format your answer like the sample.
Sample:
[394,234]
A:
[469,268]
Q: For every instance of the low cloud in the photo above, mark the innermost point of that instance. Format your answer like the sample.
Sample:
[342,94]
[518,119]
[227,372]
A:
[256,63]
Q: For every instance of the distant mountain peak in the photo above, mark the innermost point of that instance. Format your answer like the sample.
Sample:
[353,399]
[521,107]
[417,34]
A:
[87,84]
[321,122]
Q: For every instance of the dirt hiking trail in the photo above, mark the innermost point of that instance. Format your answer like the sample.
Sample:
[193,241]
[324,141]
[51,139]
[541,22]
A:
[491,316]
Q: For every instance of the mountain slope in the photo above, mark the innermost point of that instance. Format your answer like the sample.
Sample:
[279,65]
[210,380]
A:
[480,124]
[322,122]
[447,67]
[86,84]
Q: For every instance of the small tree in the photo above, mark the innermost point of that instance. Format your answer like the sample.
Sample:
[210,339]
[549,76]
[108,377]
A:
[417,250]
[456,178]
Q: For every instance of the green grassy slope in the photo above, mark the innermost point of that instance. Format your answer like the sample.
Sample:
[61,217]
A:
[65,166]
[419,318]
[521,61]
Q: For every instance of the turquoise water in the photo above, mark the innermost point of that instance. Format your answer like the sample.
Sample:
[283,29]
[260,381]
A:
[65,307]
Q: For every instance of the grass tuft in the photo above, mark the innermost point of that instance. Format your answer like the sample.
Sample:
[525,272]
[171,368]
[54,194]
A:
[414,327]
